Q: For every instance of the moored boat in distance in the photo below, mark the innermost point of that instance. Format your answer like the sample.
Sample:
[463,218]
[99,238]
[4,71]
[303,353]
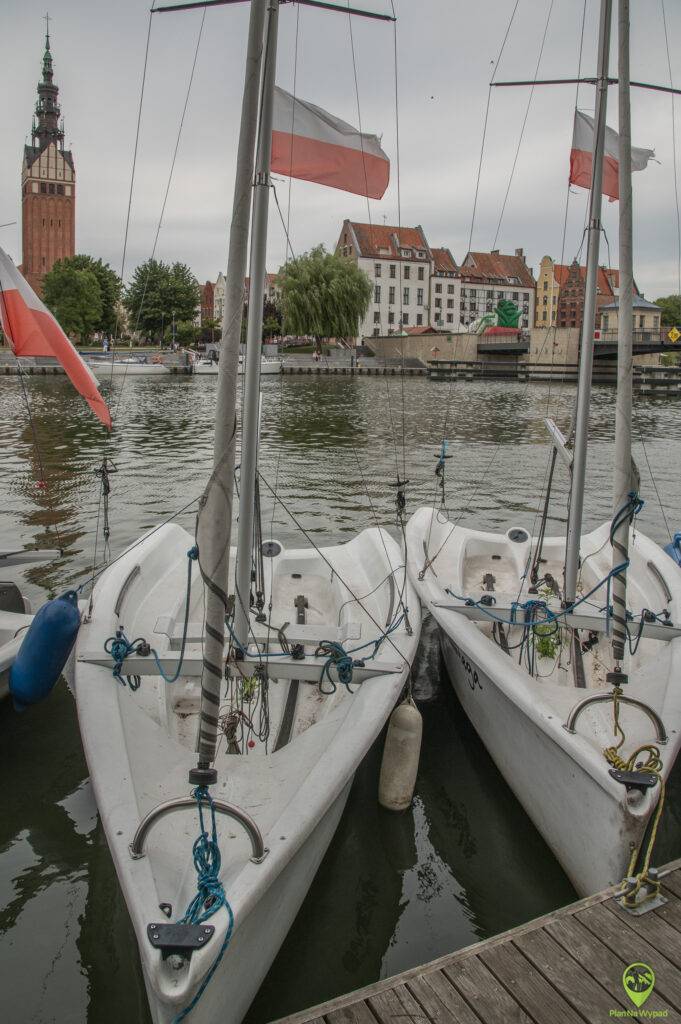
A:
[210,366]
[131,366]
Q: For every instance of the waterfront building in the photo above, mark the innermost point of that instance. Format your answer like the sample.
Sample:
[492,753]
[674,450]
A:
[487,278]
[399,263]
[48,185]
[444,288]
[560,293]
[647,319]
[207,301]
[219,298]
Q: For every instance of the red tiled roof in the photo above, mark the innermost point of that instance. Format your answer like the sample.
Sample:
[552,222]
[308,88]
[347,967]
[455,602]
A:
[497,266]
[372,238]
[444,261]
[420,330]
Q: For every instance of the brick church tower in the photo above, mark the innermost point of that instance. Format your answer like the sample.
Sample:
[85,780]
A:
[48,186]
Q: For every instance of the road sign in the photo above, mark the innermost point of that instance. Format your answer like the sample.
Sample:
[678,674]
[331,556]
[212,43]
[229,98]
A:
[674,334]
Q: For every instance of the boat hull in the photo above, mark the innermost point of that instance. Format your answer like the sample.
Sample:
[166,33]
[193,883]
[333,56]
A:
[257,940]
[103,371]
[584,817]
[210,369]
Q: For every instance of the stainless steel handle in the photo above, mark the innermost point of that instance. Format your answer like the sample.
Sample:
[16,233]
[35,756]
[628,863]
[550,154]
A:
[260,851]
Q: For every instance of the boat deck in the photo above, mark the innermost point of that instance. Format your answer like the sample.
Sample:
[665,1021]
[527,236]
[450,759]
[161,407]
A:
[566,966]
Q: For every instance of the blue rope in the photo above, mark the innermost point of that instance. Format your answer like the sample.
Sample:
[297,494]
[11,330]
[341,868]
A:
[119,647]
[210,895]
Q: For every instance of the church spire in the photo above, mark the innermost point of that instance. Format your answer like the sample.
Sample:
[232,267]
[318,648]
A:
[48,128]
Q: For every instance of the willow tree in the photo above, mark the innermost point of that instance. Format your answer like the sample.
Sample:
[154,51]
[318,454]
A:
[324,295]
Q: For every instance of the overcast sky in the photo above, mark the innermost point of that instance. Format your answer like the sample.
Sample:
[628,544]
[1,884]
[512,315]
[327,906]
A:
[446,50]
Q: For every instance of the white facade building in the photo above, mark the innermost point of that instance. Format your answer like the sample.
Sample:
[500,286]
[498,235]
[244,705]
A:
[219,298]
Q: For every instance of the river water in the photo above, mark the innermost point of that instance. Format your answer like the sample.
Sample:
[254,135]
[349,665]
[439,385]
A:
[393,891]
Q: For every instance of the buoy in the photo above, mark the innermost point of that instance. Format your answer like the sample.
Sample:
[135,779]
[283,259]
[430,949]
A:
[400,757]
[674,548]
[44,650]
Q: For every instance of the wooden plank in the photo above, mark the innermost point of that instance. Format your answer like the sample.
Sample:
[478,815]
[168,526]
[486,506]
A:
[659,934]
[357,1013]
[529,987]
[481,989]
[604,966]
[571,978]
[671,912]
[442,1003]
[632,946]
[396,1004]
[672,883]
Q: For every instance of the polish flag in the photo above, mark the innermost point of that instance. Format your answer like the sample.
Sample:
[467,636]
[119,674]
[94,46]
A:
[309,143]
[581,156]
[31,330]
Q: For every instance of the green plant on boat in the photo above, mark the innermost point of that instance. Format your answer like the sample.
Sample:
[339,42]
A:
[249,687]
[547,641]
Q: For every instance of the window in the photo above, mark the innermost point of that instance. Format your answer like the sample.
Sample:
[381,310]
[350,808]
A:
[450,303]
[405,252]
[605,321]
[391,317]
[438,288]
[51,189]
[641,321]
[420,273]
[419,319]
[376,332]
[43,186]
[377,269]
[526,308]
[543,316]
[472,292]
[377,293]
[405,296]
[391,295]
[405,318]
[515,296]
[474,307]
[407,273]
[450,318]
[525,321]
[546,284]
[462,305]
[60,190]
[377,317]
[419,296]
[462,319]
[392,269]
[545,300]
[438,303]
[488,307]
[463,293]
[450,289]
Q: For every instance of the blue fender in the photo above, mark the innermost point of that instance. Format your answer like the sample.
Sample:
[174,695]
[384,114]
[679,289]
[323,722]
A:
[44,650]
[674,548]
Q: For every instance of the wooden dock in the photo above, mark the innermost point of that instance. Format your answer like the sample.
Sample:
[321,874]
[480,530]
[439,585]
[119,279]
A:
[563,968]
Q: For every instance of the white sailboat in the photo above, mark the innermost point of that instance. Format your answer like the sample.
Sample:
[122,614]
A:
[268,366]
[576,699]
[132,366]
[266,742]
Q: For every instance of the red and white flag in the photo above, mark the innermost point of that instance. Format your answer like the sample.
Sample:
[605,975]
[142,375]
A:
[582,153]
[309,143]
[31,330]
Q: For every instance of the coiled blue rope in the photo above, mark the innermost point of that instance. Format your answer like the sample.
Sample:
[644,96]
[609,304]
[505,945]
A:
[119,647]
[210,894]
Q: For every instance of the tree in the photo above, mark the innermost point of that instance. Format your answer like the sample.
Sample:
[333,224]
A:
[324,295]
[158,292]
[186,333]
[671,310]
[75,298]
[110,286]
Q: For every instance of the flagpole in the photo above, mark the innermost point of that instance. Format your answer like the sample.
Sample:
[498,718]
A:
[215,512]
[623,467]
[249,421]
[574,530]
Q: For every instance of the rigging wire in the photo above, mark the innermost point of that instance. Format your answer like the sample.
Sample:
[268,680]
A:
[484,126]
[676,178]
[522,130]
[287,226]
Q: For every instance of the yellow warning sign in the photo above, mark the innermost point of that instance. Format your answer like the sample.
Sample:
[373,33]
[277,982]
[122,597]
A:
[674,334]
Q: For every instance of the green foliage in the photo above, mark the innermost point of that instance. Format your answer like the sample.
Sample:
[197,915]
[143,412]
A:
[671,310]
[110,286]
[546,641]
[670,358]
[75,298]
[324,295]
[186,333]
[508,314]
[158,290]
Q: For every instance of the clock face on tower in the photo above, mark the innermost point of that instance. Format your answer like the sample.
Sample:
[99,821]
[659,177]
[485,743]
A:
[48,185]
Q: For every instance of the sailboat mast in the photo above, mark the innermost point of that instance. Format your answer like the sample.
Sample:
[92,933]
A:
[215,513]
[574,531]
[623,468]
[250,415]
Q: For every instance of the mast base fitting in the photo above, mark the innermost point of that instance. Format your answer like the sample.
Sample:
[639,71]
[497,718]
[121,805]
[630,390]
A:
[617,678]
[203,776]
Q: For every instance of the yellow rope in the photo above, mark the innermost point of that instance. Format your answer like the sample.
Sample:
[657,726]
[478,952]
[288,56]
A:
[654,765]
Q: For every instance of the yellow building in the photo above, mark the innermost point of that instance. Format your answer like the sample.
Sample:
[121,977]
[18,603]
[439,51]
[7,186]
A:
[548,290]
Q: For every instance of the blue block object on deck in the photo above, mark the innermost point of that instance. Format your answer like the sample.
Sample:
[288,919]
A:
[674,548]
[44,651]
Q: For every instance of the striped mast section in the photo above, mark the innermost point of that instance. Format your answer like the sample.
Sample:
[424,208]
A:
[623,482]
[215,510]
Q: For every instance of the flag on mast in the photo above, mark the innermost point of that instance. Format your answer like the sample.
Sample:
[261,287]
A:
[31,330]
[310,143]
[582,153]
